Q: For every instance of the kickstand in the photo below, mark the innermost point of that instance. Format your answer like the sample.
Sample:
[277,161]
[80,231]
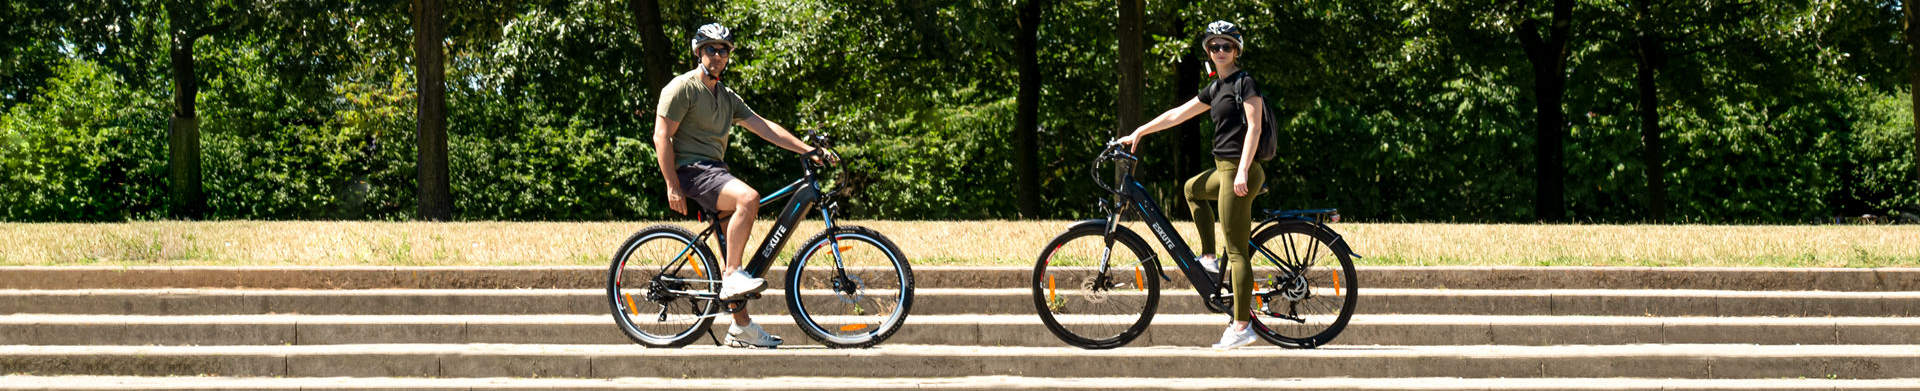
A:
[716,340]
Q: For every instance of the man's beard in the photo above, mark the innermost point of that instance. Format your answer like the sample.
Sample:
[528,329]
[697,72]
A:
[714,72]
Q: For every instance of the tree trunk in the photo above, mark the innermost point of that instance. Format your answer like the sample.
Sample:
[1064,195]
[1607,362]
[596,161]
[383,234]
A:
[1132,49]
[1548,57]
[185,191]
[1650,57]
[1026,118]
[1190,155]
[1912,34]
[436,198]
[656,55]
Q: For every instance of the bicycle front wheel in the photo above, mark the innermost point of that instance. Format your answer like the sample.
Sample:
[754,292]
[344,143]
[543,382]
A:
[849,287]
[661,287]
[1304,291]
[1093,292]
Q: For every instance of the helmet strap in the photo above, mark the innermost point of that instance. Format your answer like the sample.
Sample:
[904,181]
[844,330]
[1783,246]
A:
[709,74]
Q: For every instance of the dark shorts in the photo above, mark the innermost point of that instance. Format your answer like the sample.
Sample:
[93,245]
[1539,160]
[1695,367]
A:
[701,181]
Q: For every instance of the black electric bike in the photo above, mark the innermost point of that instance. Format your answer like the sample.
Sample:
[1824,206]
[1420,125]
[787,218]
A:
[1096,285]
[848,286]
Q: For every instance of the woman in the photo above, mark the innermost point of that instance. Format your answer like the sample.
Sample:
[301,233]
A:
[1233,98]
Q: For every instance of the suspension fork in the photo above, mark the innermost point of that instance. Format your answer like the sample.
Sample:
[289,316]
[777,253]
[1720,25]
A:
[826,213]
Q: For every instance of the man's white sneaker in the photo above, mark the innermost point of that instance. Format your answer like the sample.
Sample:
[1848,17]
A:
[1209,263]
[1233,338]
[751,336]
[739,284]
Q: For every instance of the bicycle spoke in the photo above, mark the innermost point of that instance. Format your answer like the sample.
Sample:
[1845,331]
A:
[1094,291]
[656,277]
[849,289]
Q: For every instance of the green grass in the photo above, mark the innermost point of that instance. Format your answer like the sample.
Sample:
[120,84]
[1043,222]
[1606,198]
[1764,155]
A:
[933,243]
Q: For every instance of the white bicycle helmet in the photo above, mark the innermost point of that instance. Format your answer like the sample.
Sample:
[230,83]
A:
[710,33]
[1221,28]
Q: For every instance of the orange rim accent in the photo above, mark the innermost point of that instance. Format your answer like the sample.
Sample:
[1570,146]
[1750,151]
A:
[696,266]
[1139,279]
[846,248]
[630,308]
[1257,298]
[1336,285]
[854,327]
[1050,295]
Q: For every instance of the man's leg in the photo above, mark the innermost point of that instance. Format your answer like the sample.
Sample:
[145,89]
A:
[743,202]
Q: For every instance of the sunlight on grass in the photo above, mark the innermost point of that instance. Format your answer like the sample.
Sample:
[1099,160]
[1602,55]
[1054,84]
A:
[932,243]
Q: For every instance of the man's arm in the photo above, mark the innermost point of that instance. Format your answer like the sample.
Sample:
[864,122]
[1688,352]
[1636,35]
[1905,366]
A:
[774,133]
[663,131]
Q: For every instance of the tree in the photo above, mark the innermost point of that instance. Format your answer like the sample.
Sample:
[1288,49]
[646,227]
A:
[1131,69]
[1912,34]
[657,56]
[1649,56]
[429,61]
[1548,56]
[187,24]
[1186,75]
[1026,119]
[1657,27]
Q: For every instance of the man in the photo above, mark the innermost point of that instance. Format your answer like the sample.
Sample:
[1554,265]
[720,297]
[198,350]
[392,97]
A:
[695,113]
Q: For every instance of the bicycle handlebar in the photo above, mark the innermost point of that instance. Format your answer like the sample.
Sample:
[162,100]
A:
[1113,151]
[820,143]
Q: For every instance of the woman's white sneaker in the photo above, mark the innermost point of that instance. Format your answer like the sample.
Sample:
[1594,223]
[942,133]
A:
[751,336]
[738,284]
[1233,338]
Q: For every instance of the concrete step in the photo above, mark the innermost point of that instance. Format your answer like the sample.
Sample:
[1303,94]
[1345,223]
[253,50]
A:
[938,301]
[588,277]
[920,361]
[87,383]
[969,330]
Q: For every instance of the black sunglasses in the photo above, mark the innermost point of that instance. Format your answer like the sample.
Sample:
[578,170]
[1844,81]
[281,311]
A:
[1220,47]
[718,51]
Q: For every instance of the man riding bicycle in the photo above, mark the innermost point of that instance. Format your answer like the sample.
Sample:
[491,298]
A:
[695,114]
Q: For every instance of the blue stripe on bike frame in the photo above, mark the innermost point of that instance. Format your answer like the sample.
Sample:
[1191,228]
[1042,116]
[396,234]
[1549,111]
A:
[782,192]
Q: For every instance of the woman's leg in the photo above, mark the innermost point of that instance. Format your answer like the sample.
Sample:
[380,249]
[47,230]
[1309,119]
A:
[1201,191]
[1236,223]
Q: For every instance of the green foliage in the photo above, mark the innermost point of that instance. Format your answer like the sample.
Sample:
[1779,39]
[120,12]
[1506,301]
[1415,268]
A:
[85,148]
[1395,110]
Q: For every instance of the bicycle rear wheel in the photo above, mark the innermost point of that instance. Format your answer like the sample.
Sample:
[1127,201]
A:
[1095,293]
[661,287]
[857,304]
[1304,291]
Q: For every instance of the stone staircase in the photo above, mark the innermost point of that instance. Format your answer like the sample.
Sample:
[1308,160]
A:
[1433,328]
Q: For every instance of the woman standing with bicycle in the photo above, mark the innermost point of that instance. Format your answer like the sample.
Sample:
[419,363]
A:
[1239,111]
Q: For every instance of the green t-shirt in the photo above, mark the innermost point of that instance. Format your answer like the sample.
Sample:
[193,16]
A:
[705,117]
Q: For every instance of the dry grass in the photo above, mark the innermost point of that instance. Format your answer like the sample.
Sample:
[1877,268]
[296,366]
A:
[1012,243]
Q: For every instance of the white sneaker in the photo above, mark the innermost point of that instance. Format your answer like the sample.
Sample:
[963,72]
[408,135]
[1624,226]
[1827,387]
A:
[1209,263]
[751,336]
[738,284]
[1235,338]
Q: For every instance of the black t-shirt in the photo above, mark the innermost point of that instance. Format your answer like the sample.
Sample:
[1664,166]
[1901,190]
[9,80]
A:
[1226,96]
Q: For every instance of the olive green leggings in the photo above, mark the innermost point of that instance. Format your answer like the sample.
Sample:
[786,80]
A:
[1236,218]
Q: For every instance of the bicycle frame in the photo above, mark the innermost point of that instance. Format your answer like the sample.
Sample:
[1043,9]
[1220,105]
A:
[1136,194]
[1156,220]
[806,196]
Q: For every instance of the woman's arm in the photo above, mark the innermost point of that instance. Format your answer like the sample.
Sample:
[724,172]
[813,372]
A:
[1256,108]
[1166,120]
